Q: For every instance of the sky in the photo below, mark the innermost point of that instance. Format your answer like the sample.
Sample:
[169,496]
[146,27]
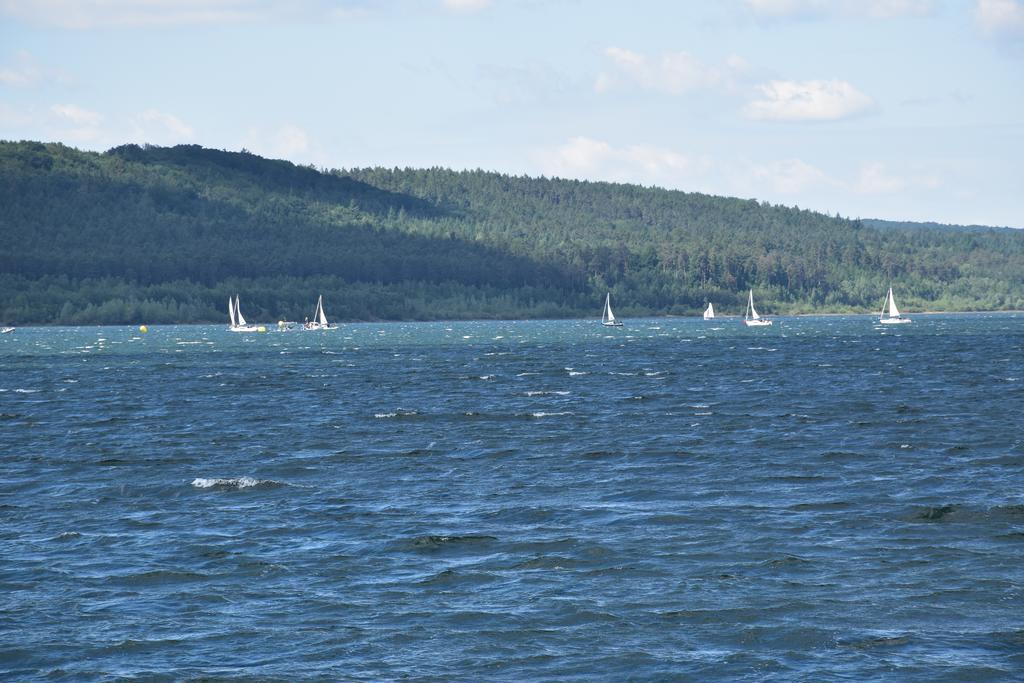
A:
[895,109]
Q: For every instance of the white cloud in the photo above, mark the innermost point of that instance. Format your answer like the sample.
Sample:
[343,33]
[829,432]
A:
[13,118]
[787,8]
[808,101]
[578,155]
[795,177]
[23,73]
[799,181]
[160,128]
[77,115]
[587,158]
[85,15]
[675,73]
[288,141]
[875,178]
[591,159]
[465,6]
[76,124]
[789,176]
[535,83]
[95,14]
[1000,17]
[887,9]
[821,9]
[786,180]
[172,123]
[72,123]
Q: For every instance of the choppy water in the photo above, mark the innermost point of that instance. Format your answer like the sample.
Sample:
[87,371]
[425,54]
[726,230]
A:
[515,500]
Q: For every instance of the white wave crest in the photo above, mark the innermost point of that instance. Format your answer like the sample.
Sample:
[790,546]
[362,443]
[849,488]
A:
[232,482]
[397,413]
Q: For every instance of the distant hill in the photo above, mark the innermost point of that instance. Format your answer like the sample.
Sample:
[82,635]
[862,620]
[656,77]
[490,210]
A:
[161,235]
[929,225]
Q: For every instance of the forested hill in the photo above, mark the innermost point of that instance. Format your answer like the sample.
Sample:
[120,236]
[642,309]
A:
[915,225]
[160,235]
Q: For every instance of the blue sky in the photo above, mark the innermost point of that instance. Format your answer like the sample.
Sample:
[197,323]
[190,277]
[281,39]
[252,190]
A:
[899,109]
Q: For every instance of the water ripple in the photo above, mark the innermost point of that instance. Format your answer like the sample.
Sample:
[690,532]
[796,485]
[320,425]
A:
[515,501]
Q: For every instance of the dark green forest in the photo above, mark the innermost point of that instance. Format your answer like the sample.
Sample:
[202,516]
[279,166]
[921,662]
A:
[167,234]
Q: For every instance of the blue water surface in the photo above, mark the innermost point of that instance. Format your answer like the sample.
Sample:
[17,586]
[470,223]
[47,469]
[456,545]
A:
[826,498]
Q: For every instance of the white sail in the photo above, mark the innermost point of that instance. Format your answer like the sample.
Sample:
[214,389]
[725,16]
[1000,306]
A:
[238,313]
[751,318]
[753,311]
[320,317]
[893,311]
[710,312]
[319,321]
[607,317]
[889,307]
[238,323]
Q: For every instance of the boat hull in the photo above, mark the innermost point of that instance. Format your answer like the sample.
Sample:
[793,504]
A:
[757,323]
[894,321]
[612,324]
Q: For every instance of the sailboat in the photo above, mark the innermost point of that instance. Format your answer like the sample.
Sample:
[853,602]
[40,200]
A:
[894,313]
[6,330]
[751,318]
[607,317]
[319,321]
[709,313]
[238,323]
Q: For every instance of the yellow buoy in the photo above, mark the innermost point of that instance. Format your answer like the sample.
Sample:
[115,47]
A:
[143,329]
[261,328]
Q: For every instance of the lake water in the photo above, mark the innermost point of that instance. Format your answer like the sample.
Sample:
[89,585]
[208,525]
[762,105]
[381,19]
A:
[515,500]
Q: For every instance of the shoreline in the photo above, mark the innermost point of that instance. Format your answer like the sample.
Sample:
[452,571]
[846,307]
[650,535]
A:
[697,317]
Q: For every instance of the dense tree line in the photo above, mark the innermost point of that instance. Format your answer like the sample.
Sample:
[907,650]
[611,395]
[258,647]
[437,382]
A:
[152,234]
